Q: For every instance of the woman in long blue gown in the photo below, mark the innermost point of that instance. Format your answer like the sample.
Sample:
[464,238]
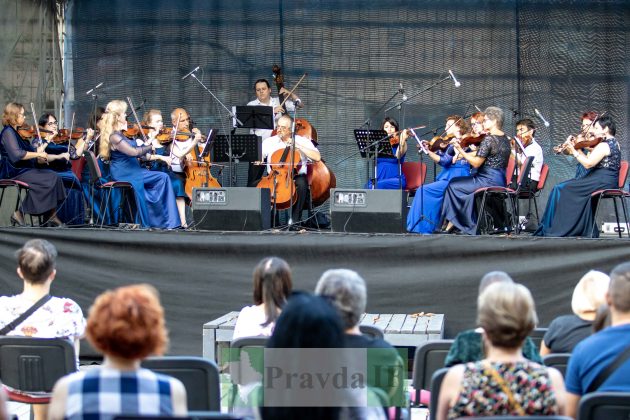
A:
[154,196]
[389,174]
[569,209]
[490,160]
[424,215]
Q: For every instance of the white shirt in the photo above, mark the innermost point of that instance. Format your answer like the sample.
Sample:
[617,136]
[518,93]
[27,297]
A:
[271,144]
[273,102]
[249,323]
[533,149]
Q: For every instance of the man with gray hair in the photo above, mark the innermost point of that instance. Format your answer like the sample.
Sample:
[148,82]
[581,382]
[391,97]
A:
[348,293]
[601,362]
[468,345]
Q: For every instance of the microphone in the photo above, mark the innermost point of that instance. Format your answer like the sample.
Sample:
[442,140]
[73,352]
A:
[541,117]
[191,72]
[402,91]
[94,88]
[514,112]
[457,84]
[477,108]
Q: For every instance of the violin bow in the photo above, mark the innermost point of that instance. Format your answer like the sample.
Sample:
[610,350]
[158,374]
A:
[70,135]
[293,90]
[133,111]
[39,135]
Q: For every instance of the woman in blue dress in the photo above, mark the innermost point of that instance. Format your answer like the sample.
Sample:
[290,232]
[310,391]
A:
[490,160]
[424,215]
[154,196]
[19,162]
[72,210]
[569,209]
[389,174]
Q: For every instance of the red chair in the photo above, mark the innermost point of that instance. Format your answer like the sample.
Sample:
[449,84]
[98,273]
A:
[542,181]
[614,193]
[415,174]
[505,193]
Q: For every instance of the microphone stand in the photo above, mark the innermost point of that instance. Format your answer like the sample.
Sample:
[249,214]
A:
[291,164]
[419,93]
[229,134]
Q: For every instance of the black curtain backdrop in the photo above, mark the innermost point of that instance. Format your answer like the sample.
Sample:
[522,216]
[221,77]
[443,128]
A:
[560,56]
[203,275]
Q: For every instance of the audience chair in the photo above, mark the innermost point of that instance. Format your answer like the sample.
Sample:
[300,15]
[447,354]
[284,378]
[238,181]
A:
[192,415]
[95,182]
[605,405]
[243,369]
[532,195]
[199,376]
[372,331]
[504,193]
[436,384]
[415,174]
[537,335]
[429,358]
[33,365]
[614,193]
[518,417]
[559,361]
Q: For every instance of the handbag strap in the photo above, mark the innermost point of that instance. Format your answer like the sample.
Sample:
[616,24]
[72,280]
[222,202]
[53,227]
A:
[17,321]
[604,374]
[506,390]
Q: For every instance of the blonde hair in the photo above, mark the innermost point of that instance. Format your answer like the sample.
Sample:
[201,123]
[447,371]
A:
[146,118]
[506,313]
[11,113]
[109,123]
[589,294]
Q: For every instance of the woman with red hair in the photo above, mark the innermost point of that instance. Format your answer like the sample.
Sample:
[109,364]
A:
[126,325]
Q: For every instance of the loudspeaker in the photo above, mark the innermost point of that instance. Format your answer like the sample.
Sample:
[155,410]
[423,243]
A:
[235,208]
[368,211]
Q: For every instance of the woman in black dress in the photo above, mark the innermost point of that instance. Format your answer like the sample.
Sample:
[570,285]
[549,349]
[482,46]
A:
[569,209]
[18,161]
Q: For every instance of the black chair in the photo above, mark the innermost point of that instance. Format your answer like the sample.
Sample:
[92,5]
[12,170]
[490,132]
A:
[20,187]
[33,365]
[605,405]
[372,331]
[559,361]
[526,194]
[436,383]
[199,376]
[537,335]
[429,358]
[615,193]
[242,369]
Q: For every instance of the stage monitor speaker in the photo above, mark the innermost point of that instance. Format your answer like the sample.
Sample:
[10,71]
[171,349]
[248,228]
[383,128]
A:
[235,208]
[368,211]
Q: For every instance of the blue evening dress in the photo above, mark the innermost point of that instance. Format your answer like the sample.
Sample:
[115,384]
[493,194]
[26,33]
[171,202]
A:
[388,173]
[178,179]
[428,199]
[154,195]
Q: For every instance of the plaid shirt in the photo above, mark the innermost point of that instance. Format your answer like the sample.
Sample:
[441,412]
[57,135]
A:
[102,393]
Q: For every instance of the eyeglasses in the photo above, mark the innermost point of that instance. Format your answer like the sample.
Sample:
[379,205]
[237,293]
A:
[282,127]
[52,123]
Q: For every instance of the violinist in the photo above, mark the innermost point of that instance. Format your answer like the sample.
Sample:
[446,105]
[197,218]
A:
[19,161]
[424,214]
[153,192]
[72,211]
[569,211]
[180,150]
[586,132]
[389,176]
[525,133]
[161,160]
[307,151]
[490,160]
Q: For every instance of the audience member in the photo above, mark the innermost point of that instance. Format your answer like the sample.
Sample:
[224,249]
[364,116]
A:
[468,345]
[600,362]
[566,331]
[4,412]
[602,318]
[126,325]
[504,383]
[272,287]
[347,290]
[50,317]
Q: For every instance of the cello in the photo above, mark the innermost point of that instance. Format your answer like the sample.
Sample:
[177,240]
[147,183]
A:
[320,178]
[280,179]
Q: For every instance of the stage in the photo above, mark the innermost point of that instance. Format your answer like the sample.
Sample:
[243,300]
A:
[202,275]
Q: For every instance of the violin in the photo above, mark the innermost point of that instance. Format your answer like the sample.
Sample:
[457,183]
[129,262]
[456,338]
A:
[469,140]
[133,130]
[440,143]
[63,135]
[166,135]
[579,142]
[28,133]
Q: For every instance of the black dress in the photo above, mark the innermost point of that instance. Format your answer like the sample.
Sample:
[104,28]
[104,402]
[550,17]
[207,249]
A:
[569,209]
[46,188]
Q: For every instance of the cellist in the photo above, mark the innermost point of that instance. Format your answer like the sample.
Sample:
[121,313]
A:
[307,151]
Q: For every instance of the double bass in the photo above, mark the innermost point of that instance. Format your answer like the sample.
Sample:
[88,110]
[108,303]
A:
[320,178]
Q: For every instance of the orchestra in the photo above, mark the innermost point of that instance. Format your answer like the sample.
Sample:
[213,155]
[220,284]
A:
[165,163]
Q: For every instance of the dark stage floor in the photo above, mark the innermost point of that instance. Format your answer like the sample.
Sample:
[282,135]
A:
[202,275]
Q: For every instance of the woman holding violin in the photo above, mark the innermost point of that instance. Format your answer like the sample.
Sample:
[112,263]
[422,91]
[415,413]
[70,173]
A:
[490,160]
[424,215]
[154,196]
[569,211]
[582,140]
[389,175]
[19,161]
[58,142]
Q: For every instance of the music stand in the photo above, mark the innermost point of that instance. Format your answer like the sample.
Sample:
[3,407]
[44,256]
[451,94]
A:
[254,116]
[372,145]
[245,147]
[212,134]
